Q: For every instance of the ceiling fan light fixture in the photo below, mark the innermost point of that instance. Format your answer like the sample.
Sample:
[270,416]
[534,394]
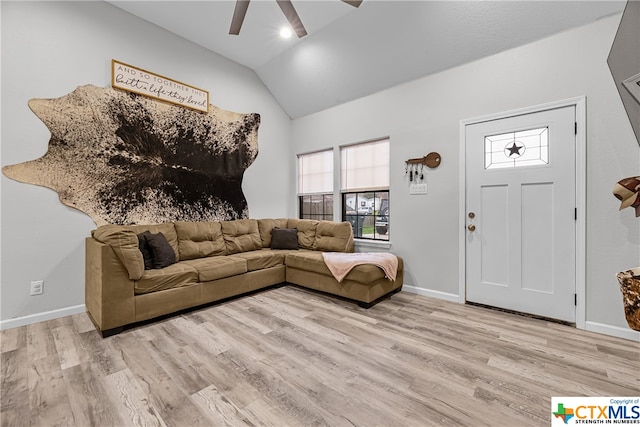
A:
[238,16]
[289,12]
[286,33]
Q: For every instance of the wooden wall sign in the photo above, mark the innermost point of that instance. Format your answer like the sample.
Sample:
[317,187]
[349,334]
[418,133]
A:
[143,82]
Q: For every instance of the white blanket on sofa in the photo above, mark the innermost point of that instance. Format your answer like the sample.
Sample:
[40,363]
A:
[340,264]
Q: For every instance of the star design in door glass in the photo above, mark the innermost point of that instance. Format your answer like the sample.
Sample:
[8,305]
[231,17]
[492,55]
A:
[515,150]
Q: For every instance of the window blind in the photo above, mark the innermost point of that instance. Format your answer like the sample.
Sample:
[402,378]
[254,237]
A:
[315,172]
[365,166]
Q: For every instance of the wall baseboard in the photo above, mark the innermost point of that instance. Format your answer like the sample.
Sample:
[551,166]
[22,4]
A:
[614,331]
[431,293]
[41,317]
[600,328]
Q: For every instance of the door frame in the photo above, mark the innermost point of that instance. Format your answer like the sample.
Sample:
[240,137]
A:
[580,104]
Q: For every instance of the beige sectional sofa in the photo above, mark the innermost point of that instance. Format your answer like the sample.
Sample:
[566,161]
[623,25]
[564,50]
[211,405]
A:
[212,261]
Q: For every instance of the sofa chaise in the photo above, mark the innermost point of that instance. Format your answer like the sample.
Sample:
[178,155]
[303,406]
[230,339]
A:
[139,272]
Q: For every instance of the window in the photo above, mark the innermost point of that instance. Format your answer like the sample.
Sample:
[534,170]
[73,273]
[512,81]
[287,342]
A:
[364,182]
[517,149]
[368,213]
[315,185]
[316,206]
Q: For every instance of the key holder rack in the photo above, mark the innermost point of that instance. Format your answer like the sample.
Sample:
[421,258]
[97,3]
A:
[415,167]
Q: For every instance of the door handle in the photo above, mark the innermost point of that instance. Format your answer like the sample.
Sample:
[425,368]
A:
[471,227]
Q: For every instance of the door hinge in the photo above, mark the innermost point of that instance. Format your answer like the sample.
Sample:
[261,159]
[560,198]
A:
[575,128]
[575,299]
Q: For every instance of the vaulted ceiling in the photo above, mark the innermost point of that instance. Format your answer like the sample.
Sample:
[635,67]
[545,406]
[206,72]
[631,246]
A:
[349,53]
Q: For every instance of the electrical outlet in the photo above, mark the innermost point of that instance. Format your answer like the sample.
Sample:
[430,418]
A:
[37,287]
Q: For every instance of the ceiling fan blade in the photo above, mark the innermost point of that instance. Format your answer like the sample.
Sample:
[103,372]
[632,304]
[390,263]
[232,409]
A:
[354,3]
[292,16]
[238,16]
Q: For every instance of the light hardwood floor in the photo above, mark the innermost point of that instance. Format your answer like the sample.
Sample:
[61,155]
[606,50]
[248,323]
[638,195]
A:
[289,357]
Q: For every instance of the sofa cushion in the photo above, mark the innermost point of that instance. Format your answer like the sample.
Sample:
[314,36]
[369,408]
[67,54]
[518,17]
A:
[333,236]
[264,258]
[241,235]
[173,276]
[147,255]
[284,238]
[124,243]
[219,267]
[199,239]
[167,229]
[312,261]
[266,225]
[306,231]
[163,253]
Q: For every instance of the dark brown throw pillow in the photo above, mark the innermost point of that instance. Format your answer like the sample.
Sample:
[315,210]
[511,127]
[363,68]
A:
[163,253]
[147,255]
[284,238]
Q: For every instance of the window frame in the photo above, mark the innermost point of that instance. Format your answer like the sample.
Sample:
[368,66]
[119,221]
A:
[374,219]
[325,214]
[374,188]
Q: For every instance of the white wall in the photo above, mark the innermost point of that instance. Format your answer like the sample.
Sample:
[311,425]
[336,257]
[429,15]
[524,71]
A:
[424,116]
[50,48]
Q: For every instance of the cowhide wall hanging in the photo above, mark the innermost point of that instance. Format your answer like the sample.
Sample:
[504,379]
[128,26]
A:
[124,158]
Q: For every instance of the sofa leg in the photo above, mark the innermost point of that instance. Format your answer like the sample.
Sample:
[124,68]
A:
[109,332]
[367,305]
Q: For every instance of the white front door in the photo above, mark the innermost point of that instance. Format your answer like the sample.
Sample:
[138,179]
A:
[520,206]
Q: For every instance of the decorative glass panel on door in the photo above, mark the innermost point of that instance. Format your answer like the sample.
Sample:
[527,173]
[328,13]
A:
[517,149]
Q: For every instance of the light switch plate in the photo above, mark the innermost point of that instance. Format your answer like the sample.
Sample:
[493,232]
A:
[418,189]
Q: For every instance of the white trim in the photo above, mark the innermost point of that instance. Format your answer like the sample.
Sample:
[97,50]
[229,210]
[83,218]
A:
[581,181]
[614,331]
[581,205]
[431,293]
[599,328]
[374,244]
[366,141]
[42,317]
[462,217]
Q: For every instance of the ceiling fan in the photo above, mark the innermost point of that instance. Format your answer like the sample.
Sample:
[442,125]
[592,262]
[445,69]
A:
[287,8]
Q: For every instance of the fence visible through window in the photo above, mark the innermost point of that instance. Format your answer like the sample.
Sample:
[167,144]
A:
[316,206]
